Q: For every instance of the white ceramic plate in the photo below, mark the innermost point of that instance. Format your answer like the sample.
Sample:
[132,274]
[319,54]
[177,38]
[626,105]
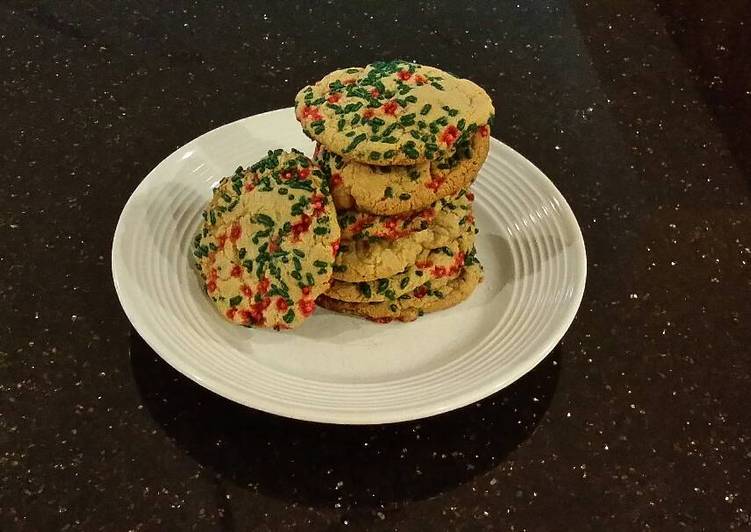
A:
[335,368]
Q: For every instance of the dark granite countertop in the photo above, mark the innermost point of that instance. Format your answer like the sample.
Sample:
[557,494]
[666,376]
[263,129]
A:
[638,420]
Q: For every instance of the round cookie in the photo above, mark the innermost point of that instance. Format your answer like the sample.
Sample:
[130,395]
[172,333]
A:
[268,240]
[356,225]
[440,266]
[391,112]
[363,260]
[423,299]
[394,190]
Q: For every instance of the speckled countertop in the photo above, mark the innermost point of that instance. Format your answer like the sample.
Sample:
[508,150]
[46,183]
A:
[639,418]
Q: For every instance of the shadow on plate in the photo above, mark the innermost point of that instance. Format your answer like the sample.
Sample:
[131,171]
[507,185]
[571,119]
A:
[342,466]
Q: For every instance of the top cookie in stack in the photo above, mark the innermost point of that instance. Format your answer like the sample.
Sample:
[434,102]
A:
[400,144]
[401,135]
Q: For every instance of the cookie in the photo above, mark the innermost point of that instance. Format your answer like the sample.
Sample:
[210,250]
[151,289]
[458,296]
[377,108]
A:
[366,260]
[440,266]
[423,299]
[268,240]
[393,190]
[392,112]
[357,225]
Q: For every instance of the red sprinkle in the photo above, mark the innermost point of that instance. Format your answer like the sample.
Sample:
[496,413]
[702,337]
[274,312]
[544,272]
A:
[336,180]
[317,203]
[303,226]
[439,271]
[249,186]
[303,173]
[334,97]
[470,196]
[435,183]
[422,264]
[350,81]
[404,75]
[235,232]
[375,93]
[306,290]
[368,113]
[420,79]
[390,107]
[420,292]
[263,285]
[273,246]
[211,286]
[281,304]
[484,131]
[311,113]
[450,134]
[287,175]
[335,247]
[222,240]
[245,289]
[236,271]
[231,313]
[307,306]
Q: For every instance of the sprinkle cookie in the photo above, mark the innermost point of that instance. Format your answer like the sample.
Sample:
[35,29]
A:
[440,266]
[268,240]
[357,225]
[423,299]
[391,113]
[393,190]
[366,260]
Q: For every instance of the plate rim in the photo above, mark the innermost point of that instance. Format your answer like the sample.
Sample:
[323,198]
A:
[321,415]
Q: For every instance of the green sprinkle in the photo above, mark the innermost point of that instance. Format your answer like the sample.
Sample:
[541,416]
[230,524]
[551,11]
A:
[321,230]
[309,277]
[393,307]
[404,196]
[299,253]
[425,109]
[289,316]
[320,264]
[383,284]
[355,141]
[264,219]
[365,289]
[403,283]
[374,155]
[233,302]
[389,154]
[388,192]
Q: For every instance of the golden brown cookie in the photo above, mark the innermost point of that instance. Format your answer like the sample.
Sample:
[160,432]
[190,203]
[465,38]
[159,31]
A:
[356,225]
[395,190]
[366,260]
[392,112]
[423,299]
[268,240]
[440,266]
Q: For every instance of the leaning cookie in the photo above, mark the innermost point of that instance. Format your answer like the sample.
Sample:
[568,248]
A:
[395,190]
[267,243]
[423,299]
[391,113]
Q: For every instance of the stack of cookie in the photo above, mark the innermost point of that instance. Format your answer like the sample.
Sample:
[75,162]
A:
[400,144]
